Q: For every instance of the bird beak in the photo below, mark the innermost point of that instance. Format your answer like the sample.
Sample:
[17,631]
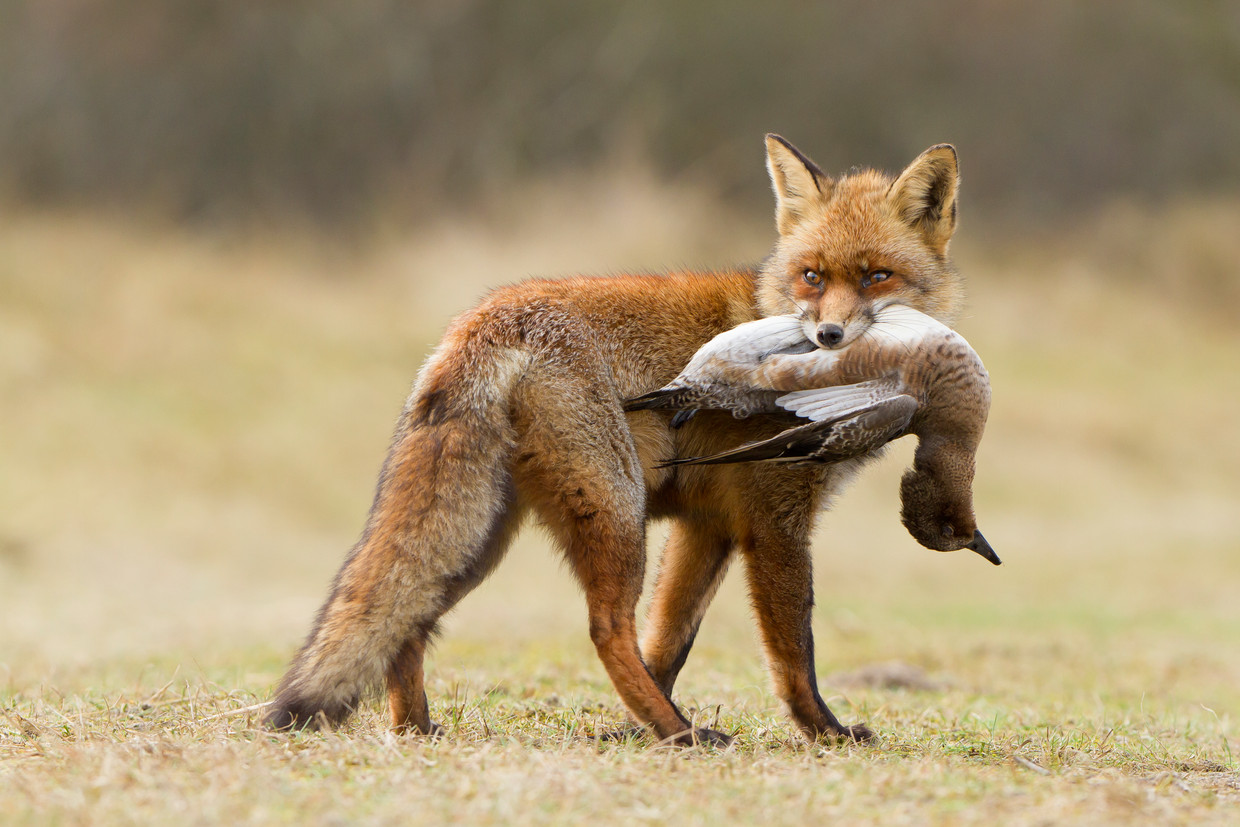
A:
[983,548]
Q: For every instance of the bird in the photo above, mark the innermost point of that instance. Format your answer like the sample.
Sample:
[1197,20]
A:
[906,374]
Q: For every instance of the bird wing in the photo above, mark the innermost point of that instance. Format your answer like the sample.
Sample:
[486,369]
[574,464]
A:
[721,373]
[852,434]
[666,398]
[821,404]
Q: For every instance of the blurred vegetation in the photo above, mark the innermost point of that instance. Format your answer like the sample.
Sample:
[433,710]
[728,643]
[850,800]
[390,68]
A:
[232,110]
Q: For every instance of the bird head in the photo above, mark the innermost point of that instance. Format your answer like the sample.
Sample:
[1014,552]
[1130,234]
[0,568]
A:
[936,498]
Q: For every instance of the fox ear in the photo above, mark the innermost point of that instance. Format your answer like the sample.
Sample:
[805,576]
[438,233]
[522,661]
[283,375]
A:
[925,194]
[798,182]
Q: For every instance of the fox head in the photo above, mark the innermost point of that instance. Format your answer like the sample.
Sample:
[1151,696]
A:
[850,246]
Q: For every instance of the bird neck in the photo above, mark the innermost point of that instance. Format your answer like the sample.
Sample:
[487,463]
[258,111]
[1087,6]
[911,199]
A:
[948,458]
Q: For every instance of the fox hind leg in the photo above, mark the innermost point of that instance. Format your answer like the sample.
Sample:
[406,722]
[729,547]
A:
[608,557]
[405,678]
[580,472]
[406,689]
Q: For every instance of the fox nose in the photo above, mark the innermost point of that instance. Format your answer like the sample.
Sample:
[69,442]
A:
[830,335]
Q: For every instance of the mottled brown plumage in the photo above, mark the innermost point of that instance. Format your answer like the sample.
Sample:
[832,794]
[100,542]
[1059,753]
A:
[908,374]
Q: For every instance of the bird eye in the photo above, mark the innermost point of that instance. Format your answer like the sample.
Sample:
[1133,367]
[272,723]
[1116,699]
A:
[812,277]
[875,277]
[948,529]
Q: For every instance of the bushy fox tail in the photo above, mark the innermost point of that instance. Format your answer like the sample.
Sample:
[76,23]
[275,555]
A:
[439,523]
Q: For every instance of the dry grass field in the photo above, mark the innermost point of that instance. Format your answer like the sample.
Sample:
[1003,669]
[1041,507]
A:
[190,427]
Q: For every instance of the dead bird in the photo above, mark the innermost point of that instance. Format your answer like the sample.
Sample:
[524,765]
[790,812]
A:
[906,374]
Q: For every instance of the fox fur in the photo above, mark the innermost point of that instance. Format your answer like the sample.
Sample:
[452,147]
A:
[518,413]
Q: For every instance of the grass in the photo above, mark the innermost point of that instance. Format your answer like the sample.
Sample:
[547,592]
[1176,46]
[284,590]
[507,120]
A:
[189,432]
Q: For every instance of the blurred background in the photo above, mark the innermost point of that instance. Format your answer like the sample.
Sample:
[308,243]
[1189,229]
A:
[230,231]
[228,111]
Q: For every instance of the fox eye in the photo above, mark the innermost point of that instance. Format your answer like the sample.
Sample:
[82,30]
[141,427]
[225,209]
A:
[812,278]
[875,277]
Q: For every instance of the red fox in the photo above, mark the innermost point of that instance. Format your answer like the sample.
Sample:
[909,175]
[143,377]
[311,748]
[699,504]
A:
[519,413]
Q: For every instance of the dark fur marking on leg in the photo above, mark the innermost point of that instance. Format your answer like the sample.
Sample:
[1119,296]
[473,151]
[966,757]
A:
[682,655]
[293,713]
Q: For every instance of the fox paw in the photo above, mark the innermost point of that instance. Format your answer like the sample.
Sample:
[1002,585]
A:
[623,733]
[433,731]
[857,733]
